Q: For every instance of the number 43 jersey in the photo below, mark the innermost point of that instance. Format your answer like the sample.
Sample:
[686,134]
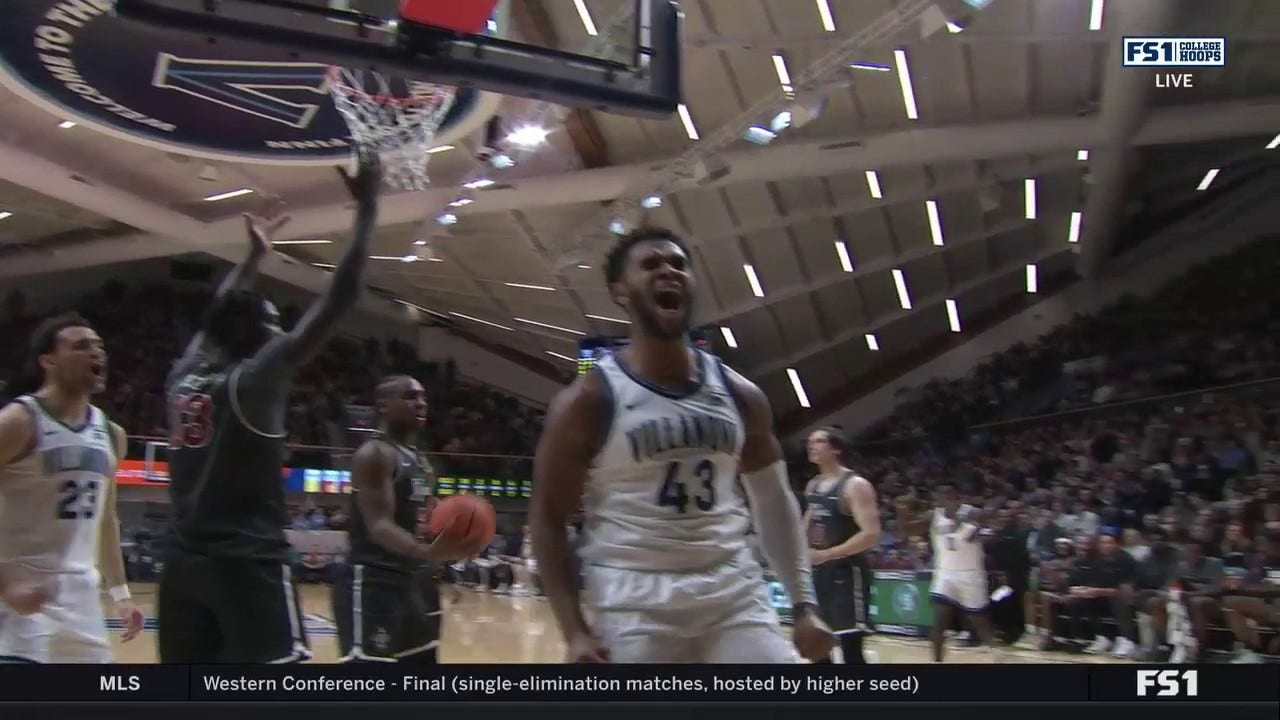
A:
[51,498]
[663,494]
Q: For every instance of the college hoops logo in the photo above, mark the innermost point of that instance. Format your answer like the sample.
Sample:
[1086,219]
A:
[1168,683]
[906,600]
[174,90]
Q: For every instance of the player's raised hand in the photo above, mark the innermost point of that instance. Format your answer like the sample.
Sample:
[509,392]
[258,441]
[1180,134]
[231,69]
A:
[368,178]
[585,648]
[263,228]
[811,636]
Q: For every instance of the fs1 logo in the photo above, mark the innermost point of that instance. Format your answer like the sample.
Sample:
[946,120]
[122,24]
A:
[1170,683]
[1175,52]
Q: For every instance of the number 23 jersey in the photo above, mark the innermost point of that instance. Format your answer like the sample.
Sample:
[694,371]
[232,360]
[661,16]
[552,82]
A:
[662,494]
[52,497]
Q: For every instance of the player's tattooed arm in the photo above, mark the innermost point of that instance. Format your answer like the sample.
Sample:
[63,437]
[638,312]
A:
[577,419]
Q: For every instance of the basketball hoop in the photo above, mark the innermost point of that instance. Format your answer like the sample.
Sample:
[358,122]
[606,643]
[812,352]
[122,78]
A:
[395,118]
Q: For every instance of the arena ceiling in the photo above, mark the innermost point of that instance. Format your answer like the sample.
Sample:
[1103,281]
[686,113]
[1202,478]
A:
[1017,94]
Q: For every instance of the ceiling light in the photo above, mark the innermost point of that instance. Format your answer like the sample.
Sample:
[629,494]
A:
[1275,143]
[846,263]
[780,122]
[870,66]
[872,343]
[1208,179]
[873,184]
[387,257]
[904,80]
[953,316]
[482,322]
[301,242]
[1073,234]
[502,161]
[325,266]
[410,259]
[1032,283]
[549,326]
[935,223]
[528,136]
[419,242]
[447,219]
[954,28]
[555,354]
[754,281]
[651,202]
[440,149]
[784,76]
[585,15]
[618,227]
[529,287]
[582,266]
[824,12]
[66,124]
[228,195]
[1029,193]
[461,202]
[798,387]
[608,319]
[687,120]
[900,282]
[1082,155]
[729,339]
[5,214]
[1095,15]
[478,184]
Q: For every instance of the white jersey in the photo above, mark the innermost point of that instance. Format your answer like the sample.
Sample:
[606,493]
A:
[52,498]
[662,493]
[952,550]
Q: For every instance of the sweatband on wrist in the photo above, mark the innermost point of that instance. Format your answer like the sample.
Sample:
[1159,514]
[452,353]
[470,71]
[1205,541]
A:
[119,593]
[782,540]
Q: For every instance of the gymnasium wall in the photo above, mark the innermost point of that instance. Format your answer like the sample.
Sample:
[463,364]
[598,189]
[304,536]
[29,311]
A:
[1219,230]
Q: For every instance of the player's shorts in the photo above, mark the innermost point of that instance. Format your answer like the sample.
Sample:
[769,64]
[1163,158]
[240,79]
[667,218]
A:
[844,596]
[71,630]
[966,589]
[717,616]
[229,610]
[387,616]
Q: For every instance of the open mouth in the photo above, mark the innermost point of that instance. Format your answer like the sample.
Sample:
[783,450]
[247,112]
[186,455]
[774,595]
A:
[99,370]
[669,300]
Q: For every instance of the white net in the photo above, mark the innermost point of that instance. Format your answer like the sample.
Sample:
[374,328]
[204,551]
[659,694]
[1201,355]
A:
[395,118]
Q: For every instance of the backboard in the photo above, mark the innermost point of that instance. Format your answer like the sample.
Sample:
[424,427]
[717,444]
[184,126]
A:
[246,80]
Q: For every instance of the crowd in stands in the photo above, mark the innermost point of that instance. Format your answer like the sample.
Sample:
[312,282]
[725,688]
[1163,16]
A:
[1129,453]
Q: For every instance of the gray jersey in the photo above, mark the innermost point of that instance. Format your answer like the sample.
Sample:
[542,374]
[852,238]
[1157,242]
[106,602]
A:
[662,493]
[52,498]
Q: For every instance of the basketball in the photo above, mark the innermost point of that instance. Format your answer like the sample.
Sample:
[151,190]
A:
[468,515]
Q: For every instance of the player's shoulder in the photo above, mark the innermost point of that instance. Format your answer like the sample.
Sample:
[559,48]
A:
[586,397]
[17,415]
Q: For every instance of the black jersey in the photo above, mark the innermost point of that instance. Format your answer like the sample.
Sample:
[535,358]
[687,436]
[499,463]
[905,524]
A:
[829,523]
[410,486]
[226,457]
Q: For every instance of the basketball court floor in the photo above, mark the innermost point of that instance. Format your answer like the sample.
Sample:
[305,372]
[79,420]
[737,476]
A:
[484,628]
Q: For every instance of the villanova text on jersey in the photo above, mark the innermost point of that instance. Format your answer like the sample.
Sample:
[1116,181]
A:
[687,431]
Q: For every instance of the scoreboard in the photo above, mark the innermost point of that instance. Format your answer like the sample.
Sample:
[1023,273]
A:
[592,349]
[484,487]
